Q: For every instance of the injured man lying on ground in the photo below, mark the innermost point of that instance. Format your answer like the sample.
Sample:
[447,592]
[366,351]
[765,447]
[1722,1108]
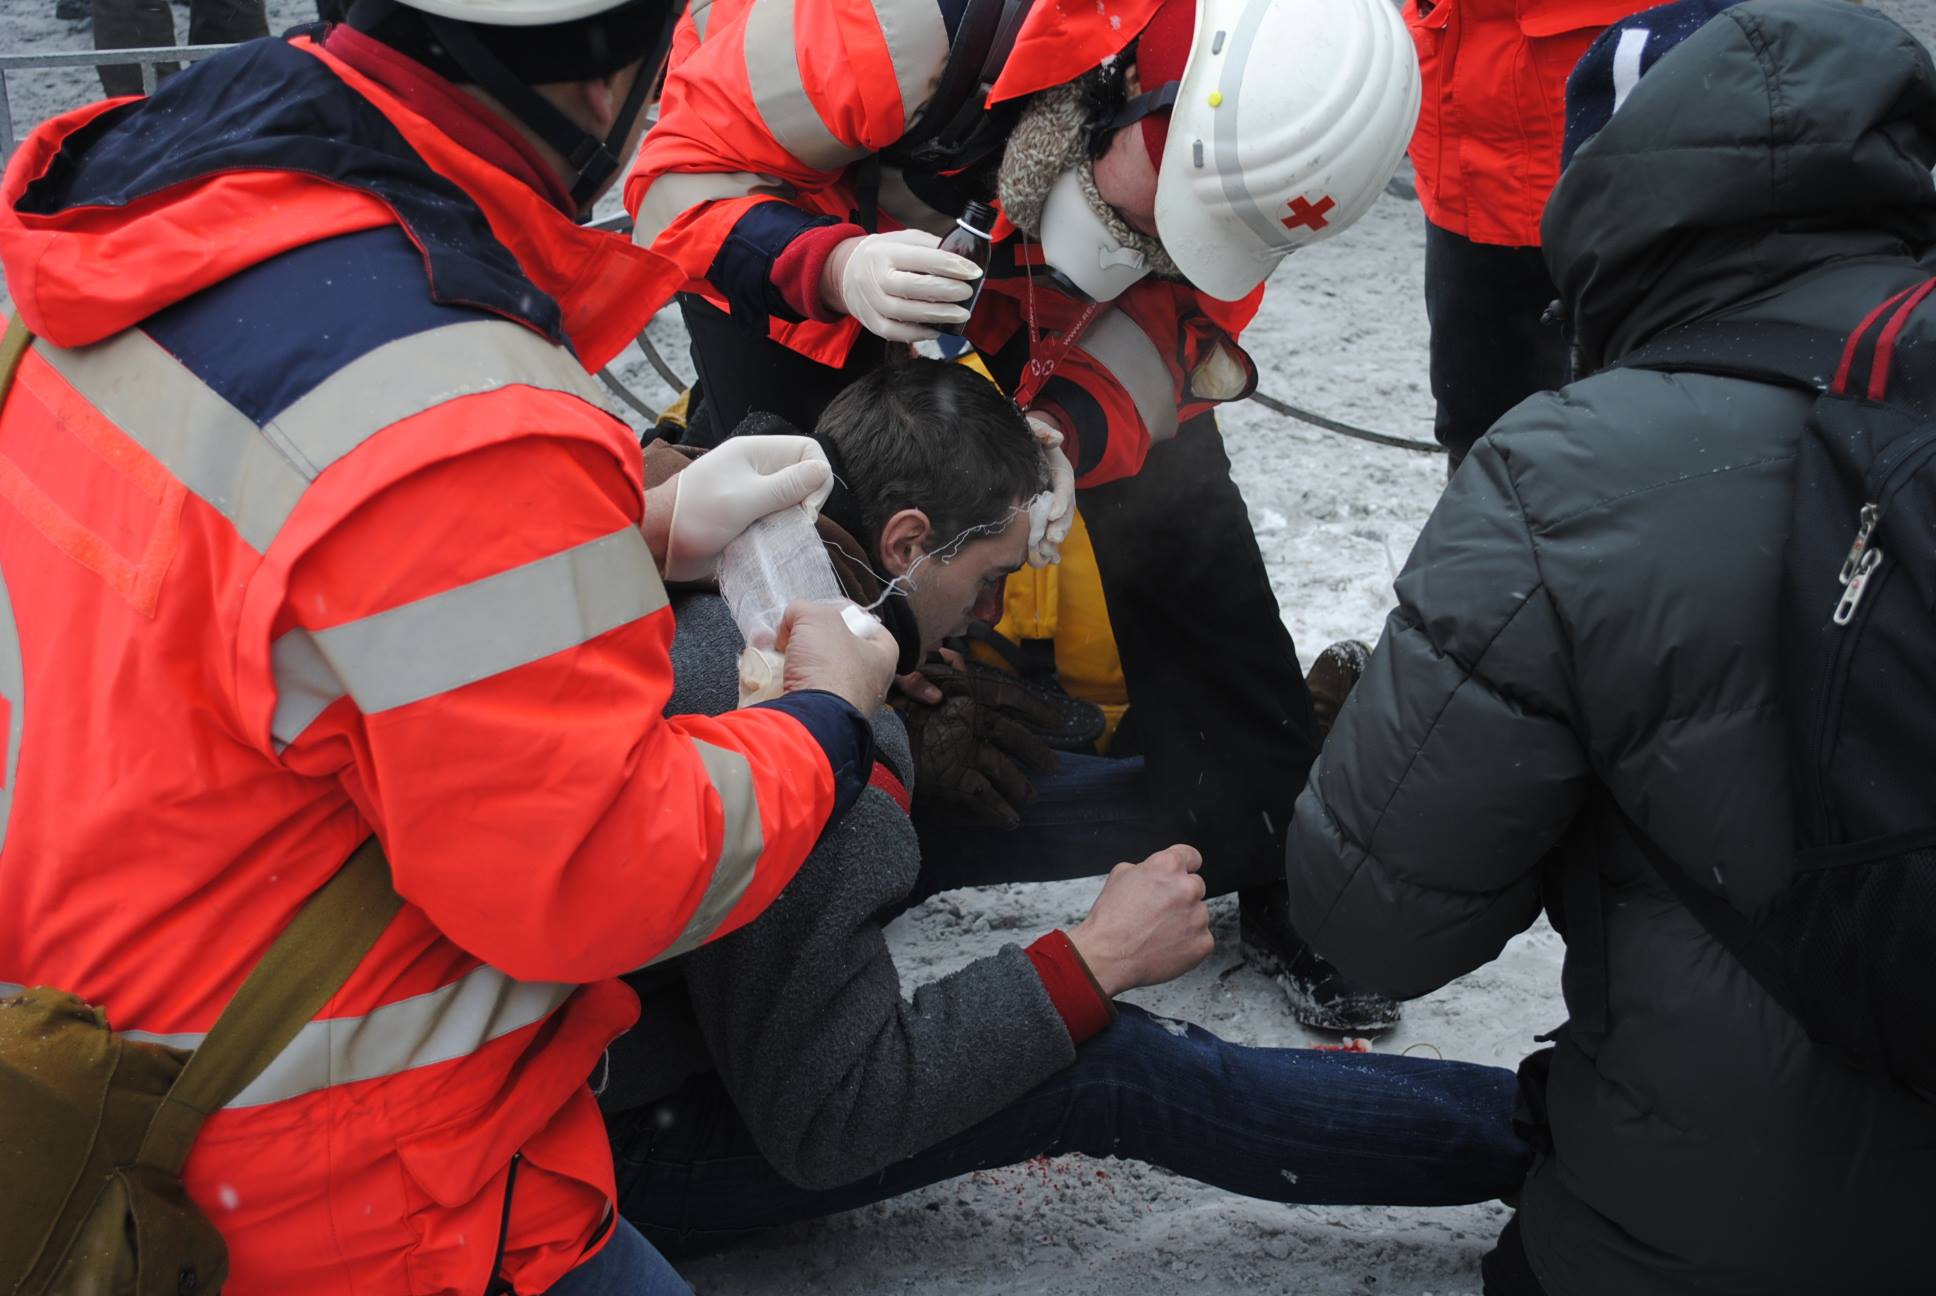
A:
[782,1073]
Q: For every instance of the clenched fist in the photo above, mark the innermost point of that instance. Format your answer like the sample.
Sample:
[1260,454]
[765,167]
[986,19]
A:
[1149,925]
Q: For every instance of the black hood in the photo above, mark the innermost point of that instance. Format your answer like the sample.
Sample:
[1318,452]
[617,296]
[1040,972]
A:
[1782,135]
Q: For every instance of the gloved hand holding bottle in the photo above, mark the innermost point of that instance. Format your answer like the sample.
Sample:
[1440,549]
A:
[899,285]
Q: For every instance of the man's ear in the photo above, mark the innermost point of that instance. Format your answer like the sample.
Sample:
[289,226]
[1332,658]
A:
[904,538]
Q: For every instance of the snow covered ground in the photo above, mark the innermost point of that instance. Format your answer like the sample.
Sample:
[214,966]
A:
[1342,332]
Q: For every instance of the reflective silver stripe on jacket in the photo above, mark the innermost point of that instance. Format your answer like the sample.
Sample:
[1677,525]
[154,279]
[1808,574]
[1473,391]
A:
[702,16]
[465,634]
[417,373]
[1118,344]
[451,1022]
[780,94]
[211,447]
[675,193]
[13,689]
[917,45]
[254,476]
[739,852]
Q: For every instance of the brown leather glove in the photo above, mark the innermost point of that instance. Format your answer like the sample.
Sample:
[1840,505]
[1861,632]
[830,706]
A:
[977,747]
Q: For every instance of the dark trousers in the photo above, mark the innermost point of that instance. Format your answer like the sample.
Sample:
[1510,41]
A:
[137,24]
[1218,706]
[1287,1125]
[1087,816]
[1489,349]
[739,371]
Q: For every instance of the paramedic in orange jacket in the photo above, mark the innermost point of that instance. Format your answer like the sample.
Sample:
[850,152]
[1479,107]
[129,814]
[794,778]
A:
[1486,155]
[313,526]
[1154,161]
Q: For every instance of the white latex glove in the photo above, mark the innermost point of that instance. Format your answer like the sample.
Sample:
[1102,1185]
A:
[1053,512]
[729,488]
[898,285]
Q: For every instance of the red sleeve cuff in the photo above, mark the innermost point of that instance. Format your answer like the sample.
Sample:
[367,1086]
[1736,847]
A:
[1085,1010]
[796,271]
[884,778]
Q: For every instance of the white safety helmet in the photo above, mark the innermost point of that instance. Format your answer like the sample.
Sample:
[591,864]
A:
[514,13]
[1290,117]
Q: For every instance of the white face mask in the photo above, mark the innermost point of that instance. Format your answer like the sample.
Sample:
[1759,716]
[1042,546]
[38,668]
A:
[1076,242]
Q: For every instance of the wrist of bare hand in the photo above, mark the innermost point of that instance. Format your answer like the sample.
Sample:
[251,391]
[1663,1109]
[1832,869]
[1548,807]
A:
[656,524]
[1109,971]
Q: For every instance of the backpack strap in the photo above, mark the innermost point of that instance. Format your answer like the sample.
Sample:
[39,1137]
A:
[13,346]
[1778,352]
[307,965]
[1734,930]
[1807,357]
[1871,349]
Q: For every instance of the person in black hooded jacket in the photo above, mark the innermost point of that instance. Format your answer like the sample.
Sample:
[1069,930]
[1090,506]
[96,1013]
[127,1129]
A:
[1589,621]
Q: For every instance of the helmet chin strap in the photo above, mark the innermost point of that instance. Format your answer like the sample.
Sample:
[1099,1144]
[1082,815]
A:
[592,160]
[1161,99]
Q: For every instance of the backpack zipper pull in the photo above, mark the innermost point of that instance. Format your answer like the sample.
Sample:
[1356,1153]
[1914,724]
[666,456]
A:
[1858,582]
[1864,531]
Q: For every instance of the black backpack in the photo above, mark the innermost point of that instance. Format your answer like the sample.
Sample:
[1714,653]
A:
[1846,947]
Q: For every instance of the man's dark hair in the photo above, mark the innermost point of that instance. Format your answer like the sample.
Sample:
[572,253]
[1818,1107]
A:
[932,436]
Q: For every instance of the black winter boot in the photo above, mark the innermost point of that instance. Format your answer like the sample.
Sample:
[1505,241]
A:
[1322,997]
[1331,678]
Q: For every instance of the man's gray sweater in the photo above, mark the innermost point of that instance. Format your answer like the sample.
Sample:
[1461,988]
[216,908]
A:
[801,1011]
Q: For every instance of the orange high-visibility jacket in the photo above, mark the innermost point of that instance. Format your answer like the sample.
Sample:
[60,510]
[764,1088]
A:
[770,103]
[1487,148]
[312,526]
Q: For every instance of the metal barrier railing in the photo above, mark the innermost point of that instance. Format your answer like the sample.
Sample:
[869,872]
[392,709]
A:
[151,59]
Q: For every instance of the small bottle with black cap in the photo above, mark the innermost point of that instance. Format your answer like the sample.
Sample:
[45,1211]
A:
[971,238]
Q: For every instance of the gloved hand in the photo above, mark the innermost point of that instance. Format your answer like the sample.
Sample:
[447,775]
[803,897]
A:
[898,285]
[1051,513]
[974,750]
[729,488]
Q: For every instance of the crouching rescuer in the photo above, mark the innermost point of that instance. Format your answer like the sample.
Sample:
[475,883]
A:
[1154,161]
[276,582]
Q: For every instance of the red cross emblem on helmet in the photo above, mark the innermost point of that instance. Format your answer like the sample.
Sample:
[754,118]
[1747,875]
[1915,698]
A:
[1308,215]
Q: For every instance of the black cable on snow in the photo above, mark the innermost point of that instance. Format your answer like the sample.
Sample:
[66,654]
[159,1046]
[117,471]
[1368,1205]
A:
[665,372]
[624,393]
[1344,429]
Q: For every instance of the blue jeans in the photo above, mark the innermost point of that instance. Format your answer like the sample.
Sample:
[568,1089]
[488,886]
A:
[1288,1125]
[628,1266]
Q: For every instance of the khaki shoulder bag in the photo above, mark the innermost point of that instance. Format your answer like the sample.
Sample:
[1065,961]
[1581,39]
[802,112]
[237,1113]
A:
[96,1127]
